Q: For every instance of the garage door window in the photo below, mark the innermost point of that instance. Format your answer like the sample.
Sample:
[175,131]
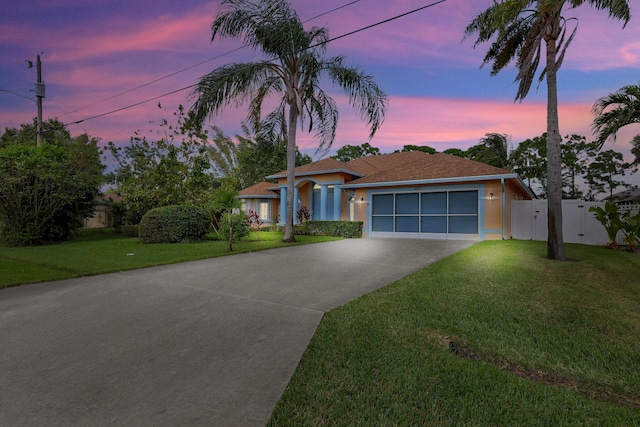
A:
[454,212]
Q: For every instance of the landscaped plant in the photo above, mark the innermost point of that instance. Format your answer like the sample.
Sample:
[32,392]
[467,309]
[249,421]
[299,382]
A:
[225,201]
[631,228]
[303,214]
[345,229]
[174,224]
[236,222]
[609,217]
[254,222]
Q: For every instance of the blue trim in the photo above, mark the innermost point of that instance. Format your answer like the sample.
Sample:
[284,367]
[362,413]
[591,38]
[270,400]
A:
[443,181]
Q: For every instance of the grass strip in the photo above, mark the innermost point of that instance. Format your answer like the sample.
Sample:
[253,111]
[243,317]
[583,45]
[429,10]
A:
[103,251]
[494,335]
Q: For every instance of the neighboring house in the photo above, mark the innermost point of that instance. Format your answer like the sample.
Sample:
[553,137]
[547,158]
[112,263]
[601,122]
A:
[627,198]
[410,194]
[102,216]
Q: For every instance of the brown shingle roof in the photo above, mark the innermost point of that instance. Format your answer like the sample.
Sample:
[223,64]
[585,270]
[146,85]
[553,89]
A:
[261,189]
[373,164]
[422,166]
[324,165]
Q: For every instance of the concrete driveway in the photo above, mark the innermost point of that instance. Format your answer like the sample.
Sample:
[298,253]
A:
[211,342]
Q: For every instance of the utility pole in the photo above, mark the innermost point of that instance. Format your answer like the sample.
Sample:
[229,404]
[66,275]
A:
[39,96]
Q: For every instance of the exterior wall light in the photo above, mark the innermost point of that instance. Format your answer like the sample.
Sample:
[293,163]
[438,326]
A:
[490,196]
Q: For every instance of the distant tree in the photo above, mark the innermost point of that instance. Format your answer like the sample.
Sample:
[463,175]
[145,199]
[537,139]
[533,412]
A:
[294,69]
[52,130]
[529,160]
[46,191]
[492,150]
[455,152]
[347,152]
[576,155]
[635,150]
[223,153]
[170,171]
[615,111]
[601,173]
[423,148]
[518,29]
[260,158]
[252,157]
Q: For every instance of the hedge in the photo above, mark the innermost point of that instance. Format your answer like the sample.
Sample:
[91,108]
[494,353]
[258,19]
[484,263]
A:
[174,224]
[346,229]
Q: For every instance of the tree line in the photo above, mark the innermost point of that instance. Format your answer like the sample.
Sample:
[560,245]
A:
[588,173]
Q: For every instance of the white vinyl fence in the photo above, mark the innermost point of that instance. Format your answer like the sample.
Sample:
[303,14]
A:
[529,222]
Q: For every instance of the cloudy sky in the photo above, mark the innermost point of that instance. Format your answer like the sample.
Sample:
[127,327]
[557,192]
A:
[103,55]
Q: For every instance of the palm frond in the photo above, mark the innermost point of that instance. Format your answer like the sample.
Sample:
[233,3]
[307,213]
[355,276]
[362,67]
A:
[618,9]
[234,83]
[363,92]
[615,111]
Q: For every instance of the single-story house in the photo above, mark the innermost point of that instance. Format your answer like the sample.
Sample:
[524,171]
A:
[627,198]
[408,194]
[102,215]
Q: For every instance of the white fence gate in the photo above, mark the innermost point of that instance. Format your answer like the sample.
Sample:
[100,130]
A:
[529,222]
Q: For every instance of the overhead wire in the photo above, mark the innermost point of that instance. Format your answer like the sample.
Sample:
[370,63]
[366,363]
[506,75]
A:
[197,65]
[310,47]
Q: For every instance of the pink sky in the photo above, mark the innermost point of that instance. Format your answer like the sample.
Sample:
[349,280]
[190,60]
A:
[438,95]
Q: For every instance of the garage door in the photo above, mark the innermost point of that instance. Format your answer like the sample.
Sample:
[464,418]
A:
[437,215]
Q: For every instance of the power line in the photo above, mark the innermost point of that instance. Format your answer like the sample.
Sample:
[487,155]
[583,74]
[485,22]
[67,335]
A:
[310,47]
[198,64]
[17,94]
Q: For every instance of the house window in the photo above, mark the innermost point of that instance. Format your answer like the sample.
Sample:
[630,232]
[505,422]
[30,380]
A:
[263,211]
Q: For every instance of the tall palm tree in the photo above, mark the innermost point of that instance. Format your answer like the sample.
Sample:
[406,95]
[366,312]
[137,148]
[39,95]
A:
[615,111]
[518,29]
[292,70]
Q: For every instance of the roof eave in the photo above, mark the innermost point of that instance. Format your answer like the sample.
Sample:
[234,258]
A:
[442,181]
[321,172]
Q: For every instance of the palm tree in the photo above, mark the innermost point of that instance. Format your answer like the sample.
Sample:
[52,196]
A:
[225,201]
[292,70]
[492,150]
[615,111]
[519,28]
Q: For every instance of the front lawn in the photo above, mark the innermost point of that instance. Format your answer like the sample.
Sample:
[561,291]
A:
[494,335]
[101,251]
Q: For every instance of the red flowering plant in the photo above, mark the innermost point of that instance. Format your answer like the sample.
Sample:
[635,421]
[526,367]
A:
[254,221]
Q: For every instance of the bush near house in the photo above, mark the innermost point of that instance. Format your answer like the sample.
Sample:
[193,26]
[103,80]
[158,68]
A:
[174,224]
[345,229]
[240,224]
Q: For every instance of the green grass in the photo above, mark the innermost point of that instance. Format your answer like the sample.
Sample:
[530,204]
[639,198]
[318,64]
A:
[536,342]
[103,251]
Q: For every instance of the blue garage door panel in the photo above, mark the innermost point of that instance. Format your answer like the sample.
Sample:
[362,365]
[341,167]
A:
[430,214]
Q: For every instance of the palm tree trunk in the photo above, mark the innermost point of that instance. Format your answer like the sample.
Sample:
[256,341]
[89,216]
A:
[291,175]
[555,243]
[230,231]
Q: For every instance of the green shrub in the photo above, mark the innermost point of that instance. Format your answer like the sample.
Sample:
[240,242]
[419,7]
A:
[47,191]
[240,223]
[346,229]
[173,224]
[130,230]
